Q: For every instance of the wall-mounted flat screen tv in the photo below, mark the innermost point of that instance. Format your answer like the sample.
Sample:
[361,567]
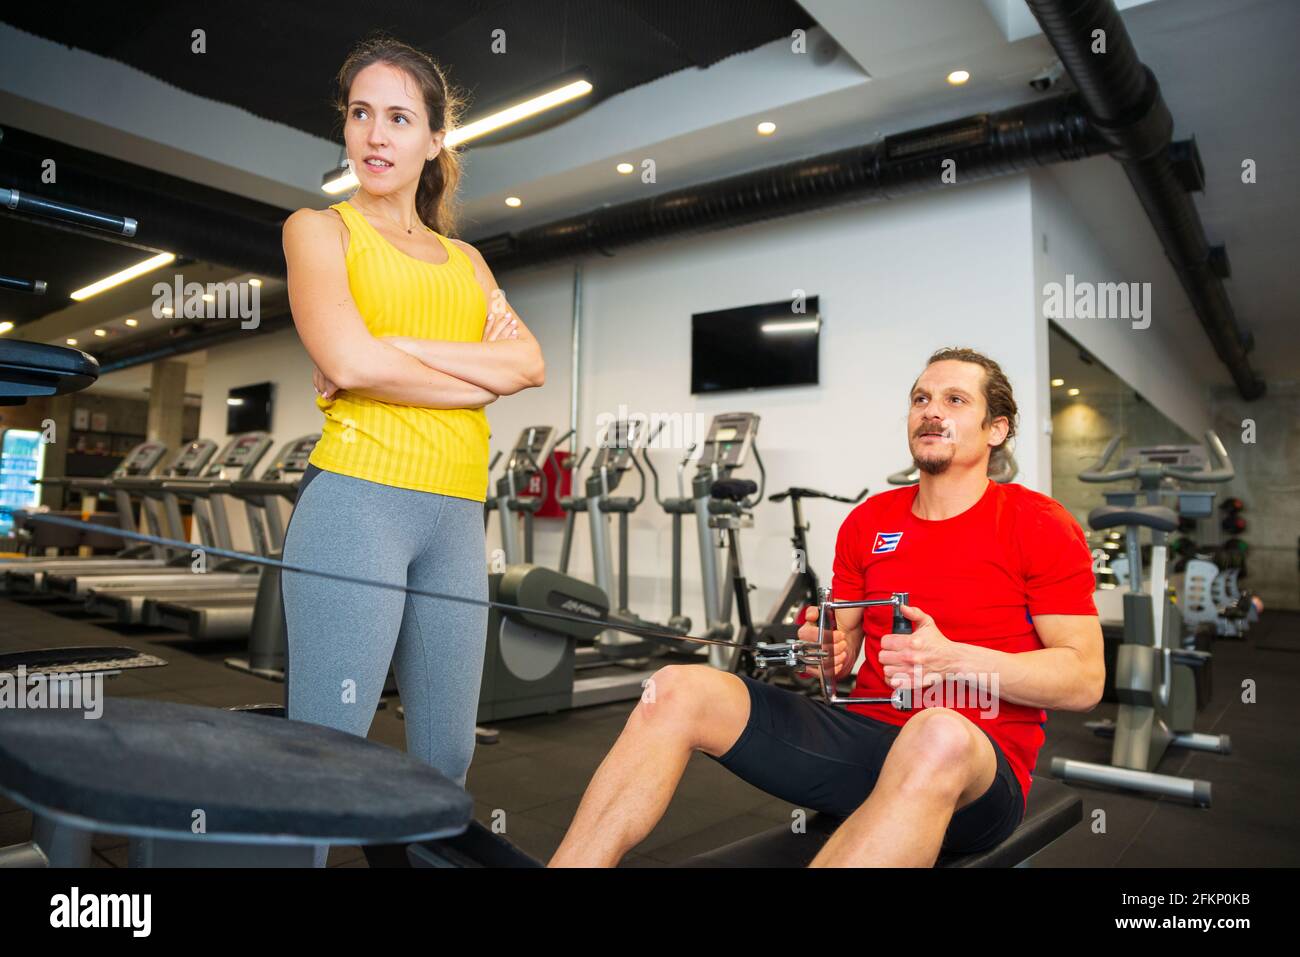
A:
[755,347]
[248,409]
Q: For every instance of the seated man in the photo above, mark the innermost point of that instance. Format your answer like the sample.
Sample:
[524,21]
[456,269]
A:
[1000,579]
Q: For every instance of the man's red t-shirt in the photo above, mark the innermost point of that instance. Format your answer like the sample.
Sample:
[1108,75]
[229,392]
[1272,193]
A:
[980,575]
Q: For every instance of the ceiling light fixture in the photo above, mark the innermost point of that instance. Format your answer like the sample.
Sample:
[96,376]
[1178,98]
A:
[126,275]
[520,111]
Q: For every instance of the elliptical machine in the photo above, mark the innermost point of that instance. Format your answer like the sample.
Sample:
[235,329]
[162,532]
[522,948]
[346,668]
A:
[802,587]
[531,665]
[721,505]
[1154,678]
[526,464]
[615,457]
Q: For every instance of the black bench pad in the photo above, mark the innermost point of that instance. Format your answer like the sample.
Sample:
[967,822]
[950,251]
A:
[1052,810]
[144,767]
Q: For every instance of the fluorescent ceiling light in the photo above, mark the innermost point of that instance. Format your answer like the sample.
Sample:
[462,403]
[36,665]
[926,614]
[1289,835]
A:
[520,111]
[126,275]
[785,326]
[339,181]
[343,179]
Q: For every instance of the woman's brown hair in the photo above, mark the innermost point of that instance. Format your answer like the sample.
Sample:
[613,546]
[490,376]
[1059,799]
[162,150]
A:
[435,198]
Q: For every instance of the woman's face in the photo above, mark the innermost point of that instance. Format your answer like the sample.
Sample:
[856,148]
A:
[387,129]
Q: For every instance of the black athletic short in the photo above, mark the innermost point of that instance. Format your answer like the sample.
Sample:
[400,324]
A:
[827,759]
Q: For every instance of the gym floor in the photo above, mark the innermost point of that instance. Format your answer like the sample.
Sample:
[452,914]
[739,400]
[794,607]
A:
[536,773]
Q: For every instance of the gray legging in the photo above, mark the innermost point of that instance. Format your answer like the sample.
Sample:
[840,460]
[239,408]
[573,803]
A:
[342,635]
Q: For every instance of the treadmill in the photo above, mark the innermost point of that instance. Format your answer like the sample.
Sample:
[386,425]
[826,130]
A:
[237,460]
[140,460]
[30,577]
[215,614]
[122,598]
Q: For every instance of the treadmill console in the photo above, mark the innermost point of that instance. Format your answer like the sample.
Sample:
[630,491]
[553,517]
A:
[239,457]
[292,459]
[141,460]
[190,460]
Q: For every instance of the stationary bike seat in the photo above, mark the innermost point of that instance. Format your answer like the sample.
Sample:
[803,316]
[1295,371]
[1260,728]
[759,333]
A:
[733,490]
[1156,517]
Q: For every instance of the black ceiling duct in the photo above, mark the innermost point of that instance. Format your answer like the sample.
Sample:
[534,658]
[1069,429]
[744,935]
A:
[1124,104]
[980,147]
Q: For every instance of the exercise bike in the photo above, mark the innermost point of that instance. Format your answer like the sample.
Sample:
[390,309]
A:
[1155,679]
[802,589]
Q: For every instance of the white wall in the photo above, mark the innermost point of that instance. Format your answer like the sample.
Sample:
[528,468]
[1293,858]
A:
[278,358]
[896,280]
[1171,363]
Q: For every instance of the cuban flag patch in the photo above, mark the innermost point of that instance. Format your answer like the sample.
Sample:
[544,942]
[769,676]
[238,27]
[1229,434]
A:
[886,542]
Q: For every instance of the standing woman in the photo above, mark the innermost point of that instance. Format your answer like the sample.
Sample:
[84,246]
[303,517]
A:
[408,354]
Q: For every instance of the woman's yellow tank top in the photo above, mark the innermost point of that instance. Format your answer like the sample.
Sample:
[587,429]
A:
[429,450]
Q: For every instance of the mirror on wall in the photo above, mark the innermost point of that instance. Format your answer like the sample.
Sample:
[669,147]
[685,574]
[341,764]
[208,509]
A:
[1090,404]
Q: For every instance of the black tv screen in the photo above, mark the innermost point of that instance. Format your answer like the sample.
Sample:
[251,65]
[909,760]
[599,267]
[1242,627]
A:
[755,347]
[248,409]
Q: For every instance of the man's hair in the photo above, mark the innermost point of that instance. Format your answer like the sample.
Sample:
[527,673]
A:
[998,399]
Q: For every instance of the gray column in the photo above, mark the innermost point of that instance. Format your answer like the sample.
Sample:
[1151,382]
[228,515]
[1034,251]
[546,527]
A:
[167,403]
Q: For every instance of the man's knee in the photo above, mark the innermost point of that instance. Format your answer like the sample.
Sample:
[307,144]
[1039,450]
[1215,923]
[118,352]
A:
[936,749]
[693,701]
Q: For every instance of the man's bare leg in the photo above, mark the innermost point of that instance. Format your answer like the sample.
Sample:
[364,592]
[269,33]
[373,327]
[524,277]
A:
[939,763]
[690,708]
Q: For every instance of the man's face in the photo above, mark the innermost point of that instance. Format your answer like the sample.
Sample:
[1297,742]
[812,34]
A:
[946,421]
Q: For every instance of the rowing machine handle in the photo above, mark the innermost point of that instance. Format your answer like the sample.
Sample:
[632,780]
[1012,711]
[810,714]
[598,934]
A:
[902,624]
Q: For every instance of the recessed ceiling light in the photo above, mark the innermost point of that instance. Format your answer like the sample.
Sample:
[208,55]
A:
[1057,383]
[101,332]
[5,326]
[208,297]
[166,310]
[1071,391]
[514,201]
[624,168]
[72,342]
[133,323]
[766,128]
[958,77]
[255,282]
